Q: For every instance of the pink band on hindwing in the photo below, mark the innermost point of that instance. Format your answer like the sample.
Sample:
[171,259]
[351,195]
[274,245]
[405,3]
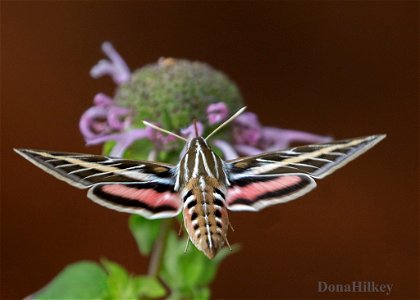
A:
[254,190]
[148,196]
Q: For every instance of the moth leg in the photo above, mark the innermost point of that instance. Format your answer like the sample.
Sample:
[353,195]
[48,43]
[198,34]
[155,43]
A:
[186,246]
[231,227]
[227,243]
[180,229]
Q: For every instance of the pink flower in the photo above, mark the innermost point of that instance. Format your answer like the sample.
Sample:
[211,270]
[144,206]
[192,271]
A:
[123,140]
[189,132]
[103,118]
[126,138]
[158,138]
[114,67]
[107,121]
[227,149]
[217,112]
[251,138]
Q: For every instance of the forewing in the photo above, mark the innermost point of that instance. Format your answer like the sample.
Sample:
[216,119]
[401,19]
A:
[281,176]
[318,160]
[84,170]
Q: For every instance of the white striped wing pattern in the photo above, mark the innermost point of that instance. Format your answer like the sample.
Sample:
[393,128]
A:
[201,184]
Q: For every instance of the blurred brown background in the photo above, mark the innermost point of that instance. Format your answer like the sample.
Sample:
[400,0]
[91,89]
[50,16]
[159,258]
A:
[344,69]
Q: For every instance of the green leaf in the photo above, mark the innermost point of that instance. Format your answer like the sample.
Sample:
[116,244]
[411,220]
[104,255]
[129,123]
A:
[145,232]
[185,272]
[192,265]
[107,148]
[170,156]
[167,120]
[82,280]
[122,285]
[149,287]
[170,271]
[202,293]
[199,293]
[139,150]
[119,283]
[212,265]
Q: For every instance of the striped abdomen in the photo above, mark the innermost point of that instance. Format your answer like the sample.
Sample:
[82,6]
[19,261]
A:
[202,182]
[205,215]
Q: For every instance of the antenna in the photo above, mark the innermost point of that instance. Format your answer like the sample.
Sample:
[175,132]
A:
[164,130]
[226,122]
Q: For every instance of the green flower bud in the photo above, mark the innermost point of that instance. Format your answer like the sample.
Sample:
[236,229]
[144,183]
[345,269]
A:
[173,92]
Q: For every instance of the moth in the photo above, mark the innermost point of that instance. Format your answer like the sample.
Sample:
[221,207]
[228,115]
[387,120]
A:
[202,185]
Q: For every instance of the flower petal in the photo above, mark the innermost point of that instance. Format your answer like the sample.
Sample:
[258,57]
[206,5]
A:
[103,118]
[247,129]
[245,150]
[189,132]
[227,150]
[101,99]
[114,67]
[251,138]
[278,138]
[123,140]
[89,121]
[217,112]
[117,117]
[158,138]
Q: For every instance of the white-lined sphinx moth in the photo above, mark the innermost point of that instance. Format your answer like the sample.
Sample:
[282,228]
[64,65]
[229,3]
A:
[202,185]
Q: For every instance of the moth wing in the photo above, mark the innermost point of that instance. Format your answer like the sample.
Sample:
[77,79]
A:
[318,160]
[85,170]
[152,200]
[138,187]
[253,193]
[277,177]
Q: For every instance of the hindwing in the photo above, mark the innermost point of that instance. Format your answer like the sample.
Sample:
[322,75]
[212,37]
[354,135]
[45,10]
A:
[152,200]
[256,192]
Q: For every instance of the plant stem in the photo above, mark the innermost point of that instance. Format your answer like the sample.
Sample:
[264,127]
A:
[158,249]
